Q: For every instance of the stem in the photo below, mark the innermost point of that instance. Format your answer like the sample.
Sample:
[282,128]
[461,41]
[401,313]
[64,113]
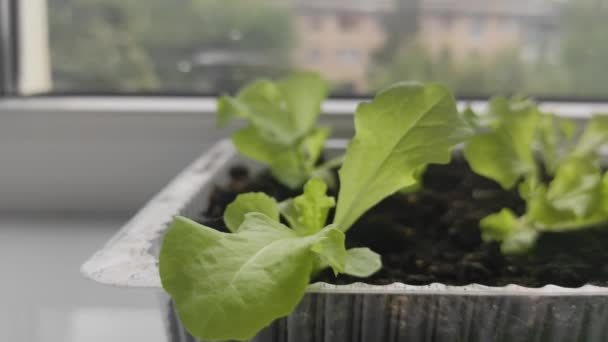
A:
[332,163]
[323,171]
[572,227]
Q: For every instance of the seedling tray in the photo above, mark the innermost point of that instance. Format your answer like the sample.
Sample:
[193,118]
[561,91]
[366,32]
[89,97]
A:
[358,312]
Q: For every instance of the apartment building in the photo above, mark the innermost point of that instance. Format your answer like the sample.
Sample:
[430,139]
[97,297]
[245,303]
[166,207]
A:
[481,29]
[340,37]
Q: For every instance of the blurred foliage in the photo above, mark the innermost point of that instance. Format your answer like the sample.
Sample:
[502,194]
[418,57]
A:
[401,26]
[210,46]
[179,45]
[580,69]
[98,36]
[506,73]
[584,40]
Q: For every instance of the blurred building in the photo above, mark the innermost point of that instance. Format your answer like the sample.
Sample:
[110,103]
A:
[481,29]
[340,37]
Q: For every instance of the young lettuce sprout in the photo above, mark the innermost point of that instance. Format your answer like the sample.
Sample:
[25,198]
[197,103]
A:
[576,197]
[282,131]
[231,285]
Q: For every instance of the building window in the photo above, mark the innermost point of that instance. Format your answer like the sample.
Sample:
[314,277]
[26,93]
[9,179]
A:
[445,21]
[474,55]
[508,24]
[313,56]
[105,47]
[477,26]
[348,22]
[315,22]
[348,56]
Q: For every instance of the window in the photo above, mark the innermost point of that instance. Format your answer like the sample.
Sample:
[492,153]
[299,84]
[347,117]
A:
[446,21]
[213,46]
[7,48]
[348,56]
[474,55]
[508,24]
[313,56]
[348,22]
[315,22]
[477,27]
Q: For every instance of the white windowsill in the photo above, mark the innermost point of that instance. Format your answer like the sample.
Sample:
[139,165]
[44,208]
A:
[109,155]
[197,105]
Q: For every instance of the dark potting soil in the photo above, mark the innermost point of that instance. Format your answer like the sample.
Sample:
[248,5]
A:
[433,236]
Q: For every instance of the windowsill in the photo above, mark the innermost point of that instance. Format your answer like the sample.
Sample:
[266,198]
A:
[109,155]
[48,300]
[135,104]
[206,105]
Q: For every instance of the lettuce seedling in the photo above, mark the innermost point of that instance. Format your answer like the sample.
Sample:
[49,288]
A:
[231,285]
[282,131]
[504,153]
[563,186]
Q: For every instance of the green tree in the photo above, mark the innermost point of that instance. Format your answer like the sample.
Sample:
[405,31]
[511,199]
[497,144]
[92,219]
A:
[94,47]
[130,45]
[584,41]
[414,62]
[401,26]
[505,73]
[211,45]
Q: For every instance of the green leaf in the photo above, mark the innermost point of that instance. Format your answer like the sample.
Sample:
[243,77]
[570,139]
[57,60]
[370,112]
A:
[417,186]
[251,144]
[571,205]
[282,112]
[576,187]
[471,118]
[528,187]
[497,107]
[575,198]
[554,136]
[312,147]
[567,128]
[542,212]
[514,235]
[307,213]
[604,192]
[281,131]
[326,172]
[594,136]
[404,128]
[492,155]
[331,250]
[303,94]
[362,262]
[498,226]
[313,205]
[289,212]
[229,108]
[231,285]
[505,154]
[235,212]
[548,141]
[266,111]
[285,162]
[520,242]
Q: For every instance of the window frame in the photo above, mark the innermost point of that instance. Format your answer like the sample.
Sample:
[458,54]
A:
[13,66]
[9,48]
[78,153]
